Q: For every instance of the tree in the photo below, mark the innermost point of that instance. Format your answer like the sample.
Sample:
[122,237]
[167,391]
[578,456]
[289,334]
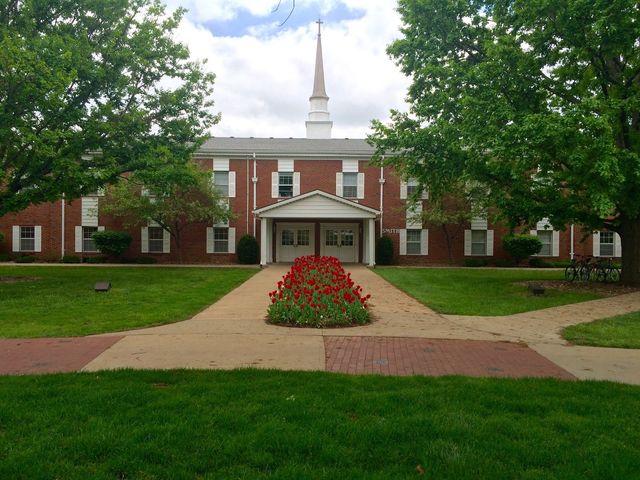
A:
[538,101]
[174,196]
[90,90]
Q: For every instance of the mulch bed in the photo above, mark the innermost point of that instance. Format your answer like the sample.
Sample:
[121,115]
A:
[606,289]
[10,279]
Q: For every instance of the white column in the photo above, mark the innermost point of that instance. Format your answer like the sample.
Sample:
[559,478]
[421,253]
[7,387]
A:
[372,242]
[263,241]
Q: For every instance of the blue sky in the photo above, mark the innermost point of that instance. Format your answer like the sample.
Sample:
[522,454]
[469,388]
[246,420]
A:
[264,73]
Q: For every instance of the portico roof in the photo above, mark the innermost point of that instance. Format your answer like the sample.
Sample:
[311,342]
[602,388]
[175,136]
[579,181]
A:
[316,204]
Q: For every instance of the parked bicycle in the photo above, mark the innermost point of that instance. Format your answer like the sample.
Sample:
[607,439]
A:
[584,268]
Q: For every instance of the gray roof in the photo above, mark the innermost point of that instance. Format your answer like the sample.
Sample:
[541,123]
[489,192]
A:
[325,148]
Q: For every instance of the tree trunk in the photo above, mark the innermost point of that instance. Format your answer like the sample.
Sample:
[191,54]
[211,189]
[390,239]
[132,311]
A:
[630,235]
[448,240]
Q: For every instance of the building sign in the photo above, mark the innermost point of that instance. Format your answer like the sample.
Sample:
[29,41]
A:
[391,230]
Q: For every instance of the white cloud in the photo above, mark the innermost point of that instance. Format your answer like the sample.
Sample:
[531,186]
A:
[264,78]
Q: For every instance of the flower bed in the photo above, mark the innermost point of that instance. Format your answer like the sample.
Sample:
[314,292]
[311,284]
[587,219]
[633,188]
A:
[317,292]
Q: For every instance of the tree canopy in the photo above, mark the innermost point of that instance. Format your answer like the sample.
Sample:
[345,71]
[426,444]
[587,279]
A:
[537,101]
[90,90]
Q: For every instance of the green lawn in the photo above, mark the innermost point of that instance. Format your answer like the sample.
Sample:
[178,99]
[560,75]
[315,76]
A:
[251,424]
[62,302]
[622,331]
[464,291]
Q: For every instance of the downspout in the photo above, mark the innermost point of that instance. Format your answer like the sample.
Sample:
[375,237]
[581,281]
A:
[247,209]
[382,180]
[62,228]
[255,183]
[572,253]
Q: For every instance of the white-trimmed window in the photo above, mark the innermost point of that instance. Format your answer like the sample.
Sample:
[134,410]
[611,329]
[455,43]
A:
[546,238]
[478,242]
[414,242]
[221,239]
[88,243]
[285,184]
[156,239]
[410,188]
[350,185]
[27,239]
[607,244]
[221,183]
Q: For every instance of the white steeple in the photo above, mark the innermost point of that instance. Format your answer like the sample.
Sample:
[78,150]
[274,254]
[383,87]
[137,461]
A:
[319,123]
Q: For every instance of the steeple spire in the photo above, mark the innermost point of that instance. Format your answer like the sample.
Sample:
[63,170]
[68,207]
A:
[319,124]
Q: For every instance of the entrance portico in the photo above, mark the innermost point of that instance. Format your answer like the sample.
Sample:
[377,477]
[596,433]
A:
[317,223]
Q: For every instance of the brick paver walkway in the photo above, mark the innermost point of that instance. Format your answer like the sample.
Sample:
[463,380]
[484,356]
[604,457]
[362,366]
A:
[421,356]
[49,355]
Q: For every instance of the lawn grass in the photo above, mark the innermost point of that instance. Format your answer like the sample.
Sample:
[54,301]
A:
[62,302]
[622,331]
[290,425]
[464,291]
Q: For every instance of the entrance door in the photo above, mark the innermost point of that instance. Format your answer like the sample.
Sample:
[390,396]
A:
[294,240]
[340,241]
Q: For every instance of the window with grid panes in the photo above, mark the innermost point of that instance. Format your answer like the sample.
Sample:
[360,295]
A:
[350,185]
[88,243]
[478,242]
[27,239]
[220,240]
[221,183]
[546,238]
[285,184]
[414,240]
[606,244]
[156,240]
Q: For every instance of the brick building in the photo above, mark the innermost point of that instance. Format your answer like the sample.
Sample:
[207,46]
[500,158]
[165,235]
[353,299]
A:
[297,196]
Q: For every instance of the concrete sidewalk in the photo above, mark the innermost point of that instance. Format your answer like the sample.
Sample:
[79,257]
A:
[233,333]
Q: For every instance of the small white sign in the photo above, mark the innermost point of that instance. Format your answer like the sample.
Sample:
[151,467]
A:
[391,230]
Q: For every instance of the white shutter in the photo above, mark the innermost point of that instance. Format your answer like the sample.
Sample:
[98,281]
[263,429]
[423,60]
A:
[403,190]
[78,239]
[490,243]
[209,239]
[339,184]
[15,238]
[361,185]
[37,247]
[403,242]
[555,247]
[221,164]
[275,178]
[596,244]
[350,166]
[232,240]
[617,245]
[144,240]
[296,184]
[424,245]
[467,242]
[425,194]
[232,184]
[166,242]
[89,211]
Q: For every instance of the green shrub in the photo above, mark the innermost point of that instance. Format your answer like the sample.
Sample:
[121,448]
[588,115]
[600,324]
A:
[521,246]
[111,242]
[145,260]
[248,250]
[505,263]
[98,259]
[6,257]
[1,238]
[560,263]
[25,259]
[475,262]
[71,259]
[539,263]
[384,251]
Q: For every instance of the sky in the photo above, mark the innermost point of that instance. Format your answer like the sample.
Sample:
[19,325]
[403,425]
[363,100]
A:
[264,70]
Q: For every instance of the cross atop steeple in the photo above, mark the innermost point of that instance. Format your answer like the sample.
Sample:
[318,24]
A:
[319,22]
